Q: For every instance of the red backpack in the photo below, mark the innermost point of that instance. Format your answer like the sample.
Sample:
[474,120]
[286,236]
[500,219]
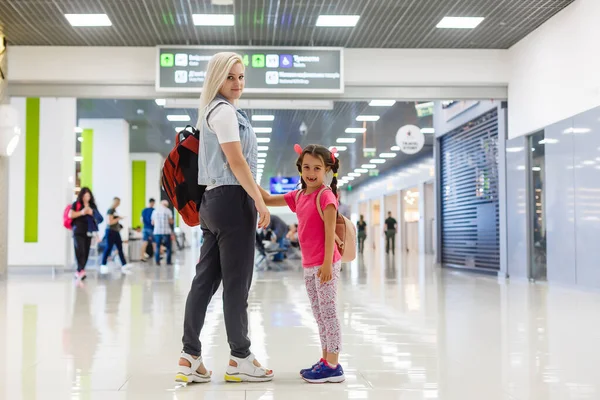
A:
[68,222]
[180,176]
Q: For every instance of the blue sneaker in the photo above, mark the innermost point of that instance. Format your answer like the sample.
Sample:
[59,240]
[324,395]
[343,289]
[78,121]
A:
[303,371]
[323,373]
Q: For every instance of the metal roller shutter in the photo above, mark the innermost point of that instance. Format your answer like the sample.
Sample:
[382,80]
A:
[470,211]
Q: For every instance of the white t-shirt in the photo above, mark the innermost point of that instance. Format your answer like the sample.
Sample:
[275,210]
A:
[223,122]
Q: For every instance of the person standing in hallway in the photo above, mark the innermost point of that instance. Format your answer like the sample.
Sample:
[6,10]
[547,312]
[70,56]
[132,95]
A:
[390,234]
[147,228]
[113,235]
[321,259]
[227,166]
[361,228]
[162,219]
[85,218]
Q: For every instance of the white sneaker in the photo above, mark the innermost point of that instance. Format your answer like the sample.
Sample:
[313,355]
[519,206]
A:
[191,374]
[246,371]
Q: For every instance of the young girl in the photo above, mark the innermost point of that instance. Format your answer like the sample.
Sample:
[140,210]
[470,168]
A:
[320,257]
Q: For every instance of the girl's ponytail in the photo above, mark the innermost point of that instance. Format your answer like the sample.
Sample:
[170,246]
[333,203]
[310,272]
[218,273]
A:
[334,181]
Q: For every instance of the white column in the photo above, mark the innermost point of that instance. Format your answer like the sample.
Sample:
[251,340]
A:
[111,169]
[57,117]
[422,217]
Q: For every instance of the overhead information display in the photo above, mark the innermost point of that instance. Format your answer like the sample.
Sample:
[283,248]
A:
[268,69]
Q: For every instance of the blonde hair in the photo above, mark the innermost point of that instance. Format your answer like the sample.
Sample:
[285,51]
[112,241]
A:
[216,73]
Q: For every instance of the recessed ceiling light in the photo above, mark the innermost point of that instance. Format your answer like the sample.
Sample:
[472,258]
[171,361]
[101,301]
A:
[377,161]
[361,170]
[261,161]
[371,118]
[339,148]
[427,130]
[576,130]
[80,138]
[355,174]
[395,148]
[263,130]
[345,140]
[382,103]
[387,155]
[213,19]
[338,20]
[368,166]
[140,111]
[356,130]
[179,129]
[349,178]
[78,158]
[78,130]
[263,140]
[88,19]
[262,155]
[536,169]
[168,141]
[263,148]
[459,22]
[514,149]
[178,118]
[263,118]
[161,102]
[134,127]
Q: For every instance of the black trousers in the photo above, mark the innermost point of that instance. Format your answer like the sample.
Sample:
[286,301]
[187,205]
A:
[82,250]
[228,217]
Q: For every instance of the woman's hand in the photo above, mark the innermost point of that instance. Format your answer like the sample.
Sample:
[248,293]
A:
[264,216]
[325,273]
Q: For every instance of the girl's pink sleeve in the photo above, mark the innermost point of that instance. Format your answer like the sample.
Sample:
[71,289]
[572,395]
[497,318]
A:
[290,199]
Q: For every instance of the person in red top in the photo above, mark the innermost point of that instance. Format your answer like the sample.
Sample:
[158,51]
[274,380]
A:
[320,257]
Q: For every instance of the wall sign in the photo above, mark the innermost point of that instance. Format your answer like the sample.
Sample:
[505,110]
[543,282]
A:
[410,139]
[268,69]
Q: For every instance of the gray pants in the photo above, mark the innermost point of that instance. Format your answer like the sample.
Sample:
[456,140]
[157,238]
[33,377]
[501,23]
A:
[390,240]
[228,218]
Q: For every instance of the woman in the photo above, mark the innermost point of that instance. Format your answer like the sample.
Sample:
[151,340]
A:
[85,219]
[227,165]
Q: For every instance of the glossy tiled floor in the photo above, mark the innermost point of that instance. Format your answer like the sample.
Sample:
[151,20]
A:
[410,330]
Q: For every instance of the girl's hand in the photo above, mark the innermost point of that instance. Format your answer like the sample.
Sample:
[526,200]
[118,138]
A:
[325,273]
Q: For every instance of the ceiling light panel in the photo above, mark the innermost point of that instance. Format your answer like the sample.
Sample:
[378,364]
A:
[368,118]
[262,130]
[459,22]
[337,20]
[263,118]
[382,103]
[88,19]
[346,140]
[356,130]
[178,118]
[213,19]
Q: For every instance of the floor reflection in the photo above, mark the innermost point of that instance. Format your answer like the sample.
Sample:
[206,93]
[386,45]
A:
[410,331]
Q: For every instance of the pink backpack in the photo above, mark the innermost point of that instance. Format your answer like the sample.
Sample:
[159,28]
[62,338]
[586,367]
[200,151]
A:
[68,222]
[345,231]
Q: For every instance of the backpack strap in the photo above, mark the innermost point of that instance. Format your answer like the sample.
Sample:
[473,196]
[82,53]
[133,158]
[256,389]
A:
[298,193]
[338,241]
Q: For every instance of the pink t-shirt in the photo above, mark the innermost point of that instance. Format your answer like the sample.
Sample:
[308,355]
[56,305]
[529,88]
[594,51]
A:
[311,229]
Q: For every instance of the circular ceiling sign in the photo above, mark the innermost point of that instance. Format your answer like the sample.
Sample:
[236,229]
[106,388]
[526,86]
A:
[410,139]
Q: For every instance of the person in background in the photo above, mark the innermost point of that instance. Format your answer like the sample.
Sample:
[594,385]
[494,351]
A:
[361,226]
[280,228]
[162,219]
[85,219]
[292,235]
[390,233]
[113,235]
[147,228]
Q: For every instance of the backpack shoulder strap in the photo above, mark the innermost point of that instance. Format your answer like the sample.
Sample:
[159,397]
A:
[319,203]
[298,193]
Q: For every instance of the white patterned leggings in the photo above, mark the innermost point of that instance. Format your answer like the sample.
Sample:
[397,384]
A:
[322,298]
